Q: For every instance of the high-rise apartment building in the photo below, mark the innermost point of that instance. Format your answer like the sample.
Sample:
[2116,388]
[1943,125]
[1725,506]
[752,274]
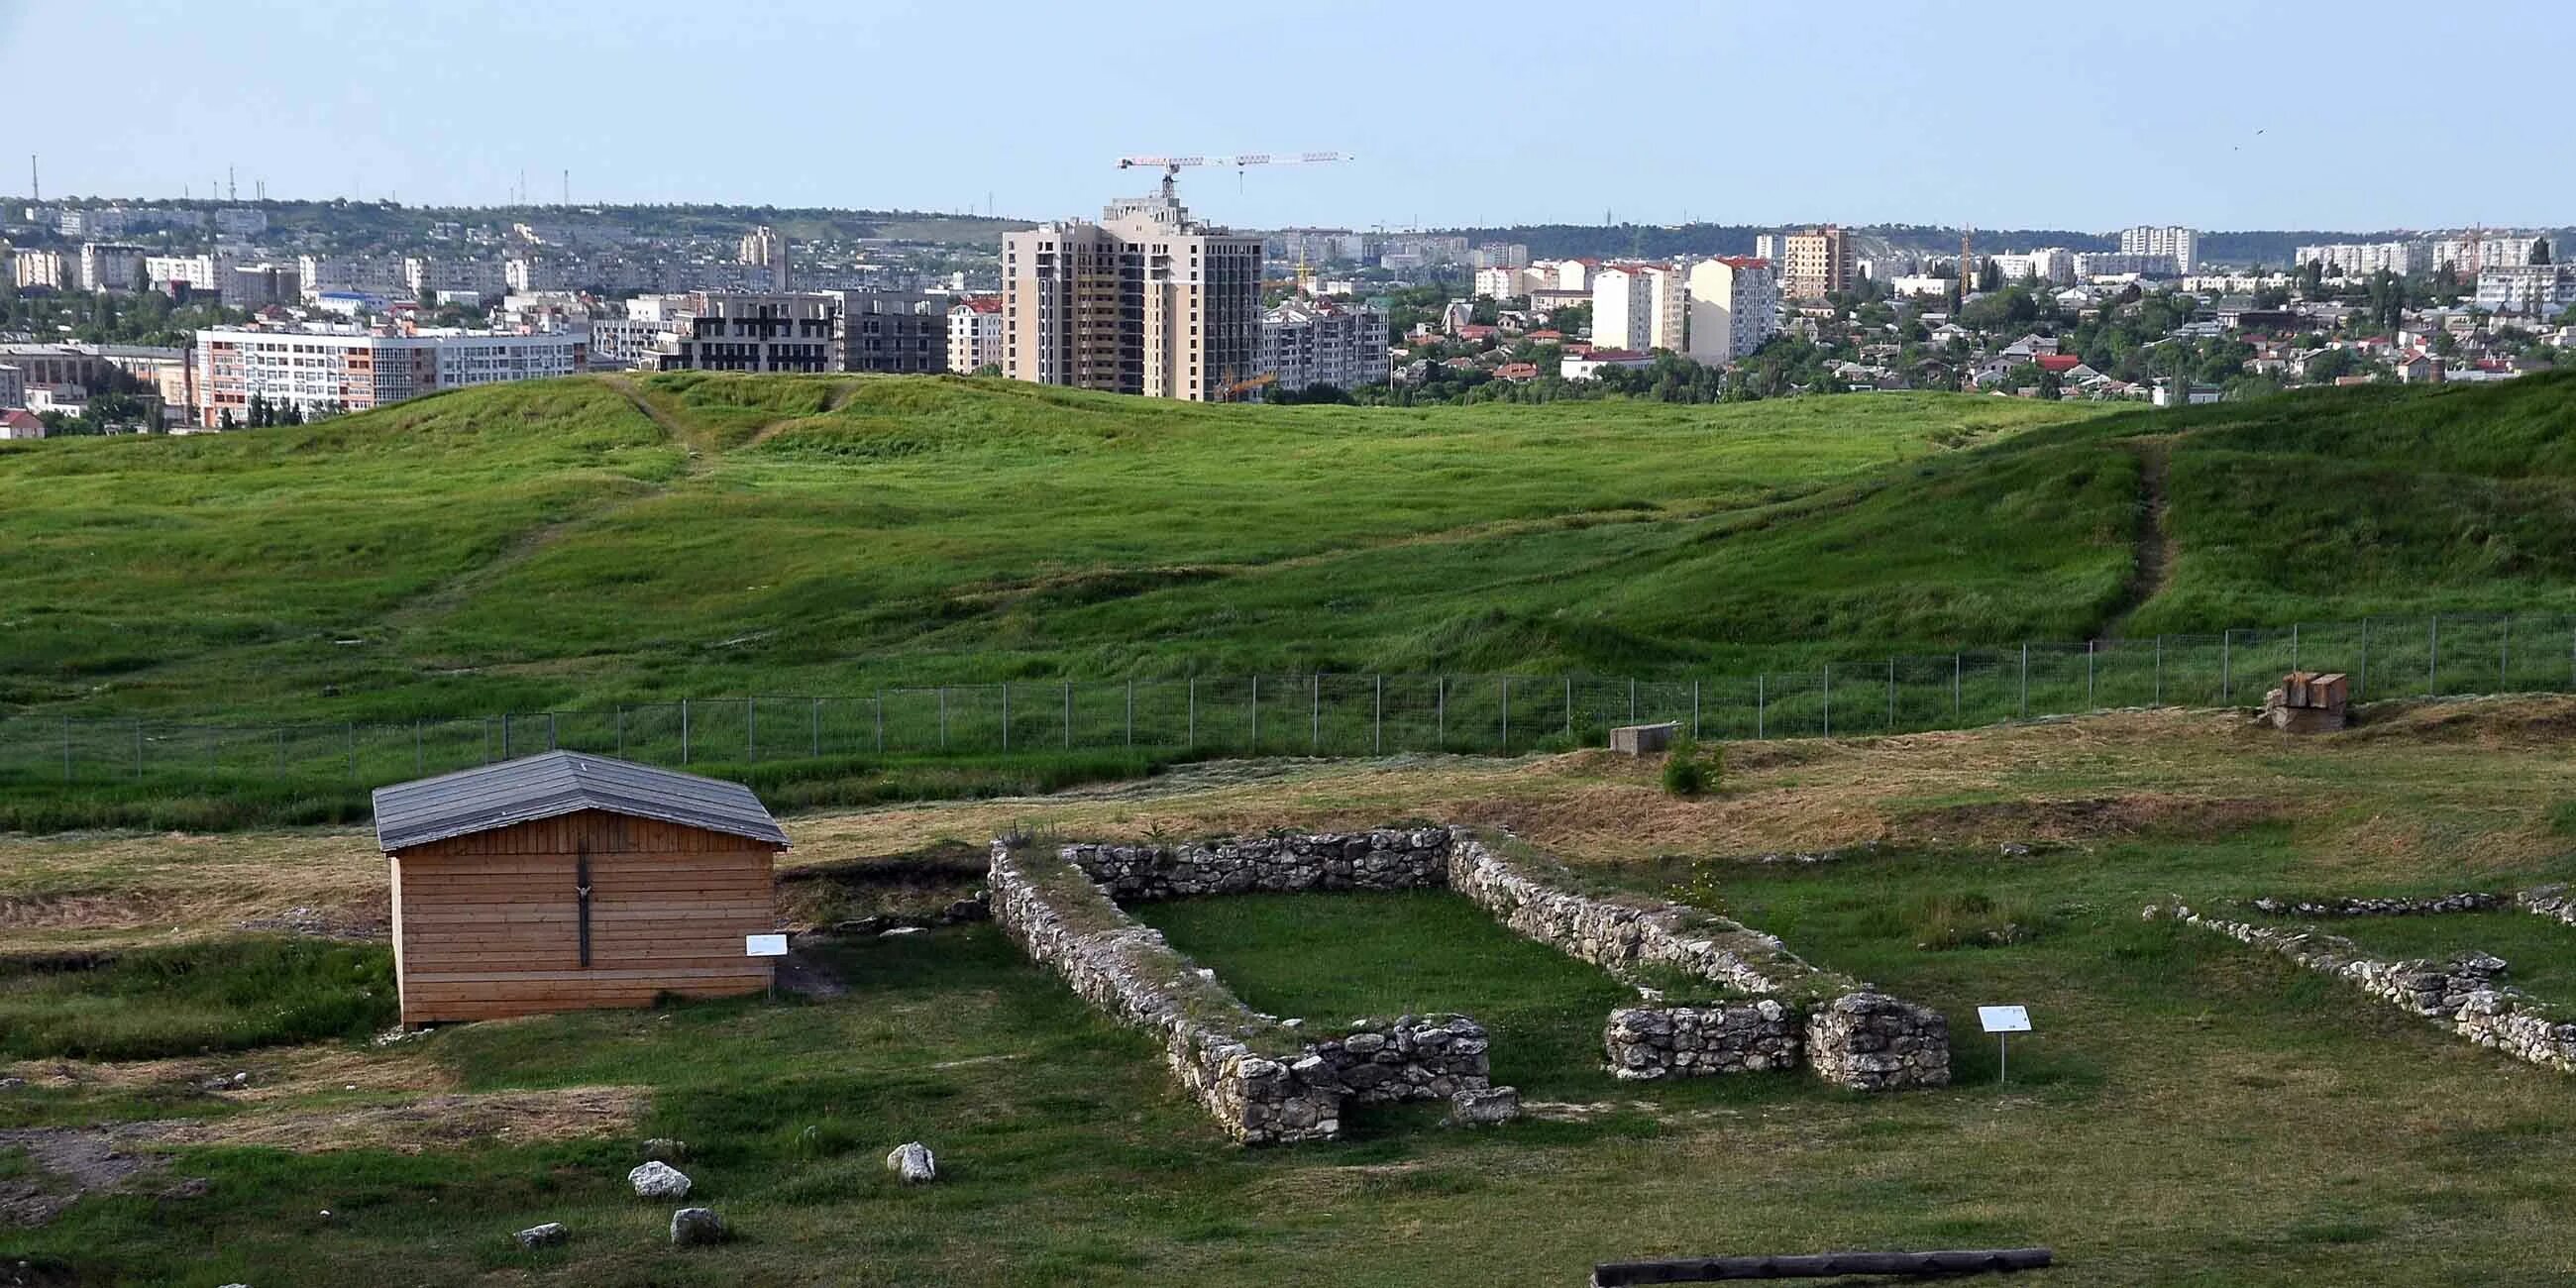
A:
[1734,307]
[31,268]
[320,371]
[1639,307]
[356,274]
[2181,245]
[1306,343]
[2361,259]
[1147,301]
[427,277]
[975,334]
[1817,262]
[2542,291]
[2473,255]
[110,266]
[763,246]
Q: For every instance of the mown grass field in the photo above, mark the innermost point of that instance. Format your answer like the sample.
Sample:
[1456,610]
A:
[2190,1111]
[574,544]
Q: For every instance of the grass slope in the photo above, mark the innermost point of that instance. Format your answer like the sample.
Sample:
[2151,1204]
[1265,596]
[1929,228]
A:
[584,542]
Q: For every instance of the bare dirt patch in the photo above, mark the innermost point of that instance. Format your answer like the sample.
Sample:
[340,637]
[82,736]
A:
[411,1126]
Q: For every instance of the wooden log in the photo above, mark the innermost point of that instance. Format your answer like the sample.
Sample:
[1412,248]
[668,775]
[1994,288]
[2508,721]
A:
[1701,1270]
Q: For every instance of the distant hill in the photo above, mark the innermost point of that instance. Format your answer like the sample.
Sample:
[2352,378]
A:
[594,540]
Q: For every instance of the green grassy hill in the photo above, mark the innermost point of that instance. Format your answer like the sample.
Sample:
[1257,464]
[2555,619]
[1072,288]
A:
[581,542]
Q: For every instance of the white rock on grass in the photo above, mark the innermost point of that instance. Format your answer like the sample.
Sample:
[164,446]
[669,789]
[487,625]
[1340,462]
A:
[658,1180]
[1485,1106]
[692,1226]
[542,1236]
[913,1164]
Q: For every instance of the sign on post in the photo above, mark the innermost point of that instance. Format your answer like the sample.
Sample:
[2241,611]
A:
[2003,1022]
[764,945]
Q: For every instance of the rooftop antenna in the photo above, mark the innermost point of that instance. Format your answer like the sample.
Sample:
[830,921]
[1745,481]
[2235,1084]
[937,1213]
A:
[232,190]
[35,185]
[567,181]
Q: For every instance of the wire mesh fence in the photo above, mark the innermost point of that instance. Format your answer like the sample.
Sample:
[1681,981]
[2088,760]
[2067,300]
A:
[1341,715]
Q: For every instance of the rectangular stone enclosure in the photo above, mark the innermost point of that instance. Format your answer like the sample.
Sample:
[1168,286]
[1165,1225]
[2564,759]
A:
[1268,1082]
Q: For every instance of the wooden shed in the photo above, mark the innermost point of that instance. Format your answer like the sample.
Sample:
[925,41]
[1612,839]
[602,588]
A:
[563,881]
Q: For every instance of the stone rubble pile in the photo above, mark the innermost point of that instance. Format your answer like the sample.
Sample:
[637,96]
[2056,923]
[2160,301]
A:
[2550,901]
[1873,1042]
[1415,1057]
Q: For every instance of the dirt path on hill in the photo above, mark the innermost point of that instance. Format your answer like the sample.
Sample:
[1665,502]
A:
[2151,567]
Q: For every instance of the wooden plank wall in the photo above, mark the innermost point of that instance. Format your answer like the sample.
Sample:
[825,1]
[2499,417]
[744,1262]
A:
[488,925]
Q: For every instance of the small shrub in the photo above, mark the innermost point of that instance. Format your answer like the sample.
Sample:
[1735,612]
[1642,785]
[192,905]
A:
[1685,774]
[2562,818]
[1972,919]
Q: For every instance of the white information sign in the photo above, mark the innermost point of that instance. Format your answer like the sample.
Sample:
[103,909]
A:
[764,945]
[2004,1019]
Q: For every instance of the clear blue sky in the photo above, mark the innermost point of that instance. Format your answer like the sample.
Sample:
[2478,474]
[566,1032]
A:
[2371,113]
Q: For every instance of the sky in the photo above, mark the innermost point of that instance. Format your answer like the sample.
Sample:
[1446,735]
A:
[2354,115]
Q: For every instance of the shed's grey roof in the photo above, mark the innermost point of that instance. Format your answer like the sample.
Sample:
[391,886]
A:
[556,783]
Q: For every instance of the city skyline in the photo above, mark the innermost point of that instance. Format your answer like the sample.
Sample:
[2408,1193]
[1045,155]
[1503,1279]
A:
[2081,121]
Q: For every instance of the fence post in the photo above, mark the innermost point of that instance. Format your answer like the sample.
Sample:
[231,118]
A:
[487,744]
[2433,658]
[1632,699]
[1569,704]
[1068,715]
[1507,715]
[1761,702]
[2226,666]
[2361,682]
[2090,704]
[2294,646]
[621,731]
[419,762]
[1006,715]
[551,744]
[1829,699]
[2025,679]
[1131,713]
[814,720]
[1315,712]
[2160,670]
[1955,668]
[1194,710]
[505,735]
[684,731]
[1377,717]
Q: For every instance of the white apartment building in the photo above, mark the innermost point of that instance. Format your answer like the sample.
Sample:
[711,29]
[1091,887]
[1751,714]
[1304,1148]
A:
[50,270]
[321,370]
[1734,307]
[1306,343]
[2178,247]
[13,386]
[619,343]
[2054,265]
[204,274]
[1499,255]
[425,276]
[380,275]
[110,266]
[2093,264]
[2543,291]
[1639,306]
[717,331]
[2469,255]
[975,334]
[2363,259]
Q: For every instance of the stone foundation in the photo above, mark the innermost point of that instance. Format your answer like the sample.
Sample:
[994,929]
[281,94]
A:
[1385,859]
[1650,1042]
[2464,901]
[2463,993]
[1238,1063]
[1852,1036]
[2551,901]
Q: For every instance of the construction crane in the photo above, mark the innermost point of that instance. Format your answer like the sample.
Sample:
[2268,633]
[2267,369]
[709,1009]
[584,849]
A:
[1172,166]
